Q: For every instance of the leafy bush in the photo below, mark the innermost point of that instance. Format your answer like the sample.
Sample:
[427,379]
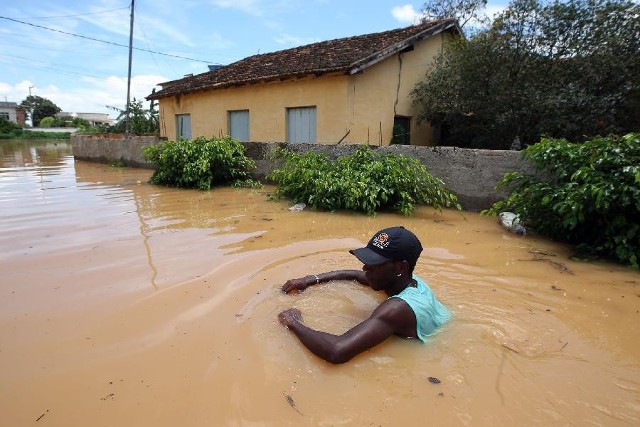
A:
[68,121]
[30,134]
[8,129]
[47,122]
[365,181]
[200,163]
[592,198]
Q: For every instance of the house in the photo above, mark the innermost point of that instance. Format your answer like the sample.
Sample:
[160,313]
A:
[94,119]
[350,90]
[11,112]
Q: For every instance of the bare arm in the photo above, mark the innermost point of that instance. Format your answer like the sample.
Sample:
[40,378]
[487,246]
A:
[393,316]
[303,283]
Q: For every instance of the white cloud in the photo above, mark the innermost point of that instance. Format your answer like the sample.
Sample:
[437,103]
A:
[91,97]
[406,13]
[15,92]
[111,91]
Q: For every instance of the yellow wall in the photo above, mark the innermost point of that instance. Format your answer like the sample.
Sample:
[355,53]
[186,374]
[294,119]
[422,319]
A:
[363,104]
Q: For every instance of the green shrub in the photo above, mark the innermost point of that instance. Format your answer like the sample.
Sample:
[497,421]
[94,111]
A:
[9,128]
[592,198]
[200,163]
[47,122]
[30,134]
[365,181]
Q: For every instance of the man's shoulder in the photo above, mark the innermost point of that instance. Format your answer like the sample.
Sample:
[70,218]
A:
[398,315]
[392,308]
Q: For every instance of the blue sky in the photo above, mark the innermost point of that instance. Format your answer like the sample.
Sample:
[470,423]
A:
[46,47]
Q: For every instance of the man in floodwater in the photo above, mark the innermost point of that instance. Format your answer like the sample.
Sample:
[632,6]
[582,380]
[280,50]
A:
[411,310]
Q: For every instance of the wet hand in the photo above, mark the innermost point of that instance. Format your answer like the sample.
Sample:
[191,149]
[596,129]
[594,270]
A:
[290,316]
[298,284]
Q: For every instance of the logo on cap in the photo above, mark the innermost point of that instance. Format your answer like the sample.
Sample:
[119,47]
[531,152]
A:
[381,240]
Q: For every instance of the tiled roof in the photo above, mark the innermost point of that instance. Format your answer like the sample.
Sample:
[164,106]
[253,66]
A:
[348,55]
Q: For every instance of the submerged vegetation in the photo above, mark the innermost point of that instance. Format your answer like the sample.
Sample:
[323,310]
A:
[10,130]
[591,197]
[366,181]
[201,163]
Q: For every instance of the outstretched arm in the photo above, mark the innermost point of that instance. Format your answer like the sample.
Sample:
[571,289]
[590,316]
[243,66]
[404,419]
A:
[313,279]
[391,317]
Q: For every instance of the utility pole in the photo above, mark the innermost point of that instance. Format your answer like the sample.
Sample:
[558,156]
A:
[126,116]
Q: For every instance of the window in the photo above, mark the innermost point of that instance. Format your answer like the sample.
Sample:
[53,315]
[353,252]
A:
[239,125]
[301,125]
[401,131]
[4,115]
[183,126]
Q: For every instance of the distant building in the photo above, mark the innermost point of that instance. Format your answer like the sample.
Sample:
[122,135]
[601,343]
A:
[12,112]
[94,119]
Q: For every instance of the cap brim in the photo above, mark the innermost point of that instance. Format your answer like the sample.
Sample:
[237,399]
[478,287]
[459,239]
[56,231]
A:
[369,257]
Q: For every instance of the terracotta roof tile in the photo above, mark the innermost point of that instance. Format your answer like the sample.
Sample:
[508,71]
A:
[346,55]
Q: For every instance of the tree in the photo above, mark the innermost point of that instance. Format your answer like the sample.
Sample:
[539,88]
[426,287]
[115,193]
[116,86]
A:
[564,69]
[38,108]
[465,11]
[141,121]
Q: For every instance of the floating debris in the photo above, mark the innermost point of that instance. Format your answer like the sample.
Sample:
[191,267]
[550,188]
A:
[511,222]
[297,207]
[560,266]
[434,380]
[41,416]
[510,347]
[541,252]
[292,403]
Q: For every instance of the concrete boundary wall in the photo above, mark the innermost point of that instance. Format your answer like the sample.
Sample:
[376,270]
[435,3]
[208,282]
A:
[470,173]
[112,148]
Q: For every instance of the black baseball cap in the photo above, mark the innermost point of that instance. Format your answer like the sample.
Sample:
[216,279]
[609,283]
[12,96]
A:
[390,244]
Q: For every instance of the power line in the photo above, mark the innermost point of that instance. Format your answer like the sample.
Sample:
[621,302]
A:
[104,41]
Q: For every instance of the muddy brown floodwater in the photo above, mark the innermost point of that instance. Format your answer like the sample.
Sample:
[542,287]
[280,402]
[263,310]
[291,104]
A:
[127,304]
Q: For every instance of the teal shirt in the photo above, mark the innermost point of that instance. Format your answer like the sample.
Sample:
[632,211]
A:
[430,313]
